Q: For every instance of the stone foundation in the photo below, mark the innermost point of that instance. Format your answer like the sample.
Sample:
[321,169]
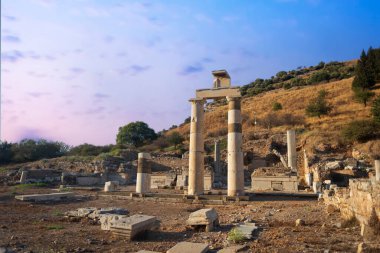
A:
[361,200]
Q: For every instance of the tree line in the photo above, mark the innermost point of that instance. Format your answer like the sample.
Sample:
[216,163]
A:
[131,136]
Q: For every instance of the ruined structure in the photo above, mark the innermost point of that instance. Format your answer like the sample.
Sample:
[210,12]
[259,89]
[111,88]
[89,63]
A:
[143,173]
[222,88]
[276,178]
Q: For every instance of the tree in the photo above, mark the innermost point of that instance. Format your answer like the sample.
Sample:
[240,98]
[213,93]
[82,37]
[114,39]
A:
[376,110]
[136,134]
[318,106]
[363,95]
[175,138]
[366,73]
[5,152]
[360,131]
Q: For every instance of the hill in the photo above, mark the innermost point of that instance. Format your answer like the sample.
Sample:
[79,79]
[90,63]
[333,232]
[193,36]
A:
[316,135]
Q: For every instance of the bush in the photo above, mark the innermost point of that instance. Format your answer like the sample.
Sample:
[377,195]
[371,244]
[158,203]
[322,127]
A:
[235,235]
[318,106]
[361,131]
[175,139]
[362,95]
[376,110]
[318,77]
[276,106]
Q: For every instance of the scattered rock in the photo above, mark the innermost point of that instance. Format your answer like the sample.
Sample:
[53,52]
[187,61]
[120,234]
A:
[300,222]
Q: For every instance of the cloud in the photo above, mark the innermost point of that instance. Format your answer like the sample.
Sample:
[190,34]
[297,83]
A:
[122,54]
[95,110]
[9,17]
[108,39]
[192,69]
[100,95]
[77,71]
[133,70]
[38,94]
[12,56]
[10,38]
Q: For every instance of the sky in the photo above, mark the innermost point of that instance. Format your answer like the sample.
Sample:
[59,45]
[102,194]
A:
[76,70]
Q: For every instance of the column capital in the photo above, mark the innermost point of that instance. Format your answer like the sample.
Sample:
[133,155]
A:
[234,103]
[196,100]
[233,98]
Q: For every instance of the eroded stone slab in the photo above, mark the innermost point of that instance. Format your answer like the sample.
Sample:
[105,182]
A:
[107,219]
[204,217]
[246,229]
[235,249]
[132,226]
[189,247]
[45,197]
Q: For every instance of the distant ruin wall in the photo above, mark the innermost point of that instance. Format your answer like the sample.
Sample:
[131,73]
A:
[361,200]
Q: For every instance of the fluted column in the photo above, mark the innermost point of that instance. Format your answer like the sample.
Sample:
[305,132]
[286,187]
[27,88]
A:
[143,173]
[235,171]
[196,149]
[292,154]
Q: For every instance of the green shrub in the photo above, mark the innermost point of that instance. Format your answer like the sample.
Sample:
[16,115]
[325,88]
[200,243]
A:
[235,236]
[376,110]
[55,227]
[361,131]
[276,106]
[318,106]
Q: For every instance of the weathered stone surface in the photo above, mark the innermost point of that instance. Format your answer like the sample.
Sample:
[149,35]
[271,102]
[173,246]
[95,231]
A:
[189,247]
[204,217]
[246,229]
[81,212]
[45,197]
[333,165]
[107,210]
[111,186]
[107,219]
[132,226]
[235,249]
[300,222]
[360,201]
[147,251]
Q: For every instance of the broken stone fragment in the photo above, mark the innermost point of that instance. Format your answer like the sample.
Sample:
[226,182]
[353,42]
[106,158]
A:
[204,217]
[189,247]
[300,222]
[108,210]
[107,219]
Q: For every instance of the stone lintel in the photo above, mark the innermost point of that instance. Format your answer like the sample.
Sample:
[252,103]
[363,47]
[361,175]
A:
[218,93]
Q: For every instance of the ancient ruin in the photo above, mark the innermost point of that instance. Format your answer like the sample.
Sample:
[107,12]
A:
[222,88]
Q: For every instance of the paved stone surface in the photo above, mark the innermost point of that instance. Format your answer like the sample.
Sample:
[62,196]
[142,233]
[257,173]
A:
[45,197]
[189,247]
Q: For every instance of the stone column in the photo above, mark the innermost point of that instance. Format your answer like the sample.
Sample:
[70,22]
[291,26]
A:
[292,154]
[143,173]
[235,171]
[24,174]
[377,170]
[196,149]
[308,174]
[217,161]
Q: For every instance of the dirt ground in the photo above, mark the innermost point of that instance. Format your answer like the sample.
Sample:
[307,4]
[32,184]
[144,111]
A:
[33,227]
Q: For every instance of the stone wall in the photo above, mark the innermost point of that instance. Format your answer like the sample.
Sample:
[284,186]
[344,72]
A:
[361,200]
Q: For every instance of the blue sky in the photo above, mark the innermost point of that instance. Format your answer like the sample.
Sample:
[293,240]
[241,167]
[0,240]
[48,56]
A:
[75,71]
